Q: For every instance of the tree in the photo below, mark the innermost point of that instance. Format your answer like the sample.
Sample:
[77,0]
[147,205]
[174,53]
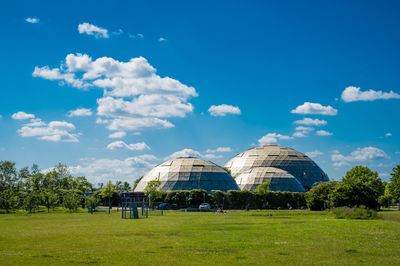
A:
[318,198]
[137,182]
[153,190]
[262,190]
[394,185]
[107,193]
[8,200]
[126,186]
[360,186]
[49,199]
[91,201]
[72,200]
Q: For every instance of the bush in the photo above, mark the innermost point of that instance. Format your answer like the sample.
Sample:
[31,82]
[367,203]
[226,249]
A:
[318,198]
[354,213]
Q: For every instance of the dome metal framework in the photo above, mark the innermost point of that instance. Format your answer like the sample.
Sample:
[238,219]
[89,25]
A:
[187,173]
[249,169]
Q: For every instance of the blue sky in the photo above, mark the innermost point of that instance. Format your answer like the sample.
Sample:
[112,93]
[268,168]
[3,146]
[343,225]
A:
[114,88]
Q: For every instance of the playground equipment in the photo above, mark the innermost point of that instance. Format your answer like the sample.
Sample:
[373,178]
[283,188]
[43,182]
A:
[130,209]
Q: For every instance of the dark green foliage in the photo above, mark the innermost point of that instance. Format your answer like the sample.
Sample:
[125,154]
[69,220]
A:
[178,197]
[394,185]
[72,200]
[197,197]
[354,213]
[360,186]
[318,198]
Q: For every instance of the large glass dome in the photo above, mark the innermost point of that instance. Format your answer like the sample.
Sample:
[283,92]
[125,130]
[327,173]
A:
[189,173]
[298,165]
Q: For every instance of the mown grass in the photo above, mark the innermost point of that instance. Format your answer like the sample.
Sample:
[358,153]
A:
[178,238]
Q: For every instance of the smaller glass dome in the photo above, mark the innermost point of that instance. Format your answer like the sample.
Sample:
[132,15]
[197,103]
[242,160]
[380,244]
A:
[280,179]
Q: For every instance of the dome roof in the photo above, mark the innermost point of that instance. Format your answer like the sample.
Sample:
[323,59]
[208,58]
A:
[280,180]
[305,170]
[187,173]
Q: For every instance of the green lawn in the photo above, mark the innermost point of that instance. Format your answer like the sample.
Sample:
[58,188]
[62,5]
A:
[238,237]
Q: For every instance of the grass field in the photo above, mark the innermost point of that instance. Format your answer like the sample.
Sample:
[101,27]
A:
[177,238]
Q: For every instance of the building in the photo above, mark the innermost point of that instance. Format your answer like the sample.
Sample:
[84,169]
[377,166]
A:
[285,168]
[187,173]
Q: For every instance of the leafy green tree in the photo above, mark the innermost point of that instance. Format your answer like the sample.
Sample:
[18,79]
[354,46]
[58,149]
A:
[49,199]
[126,186]
[92,201]
[263,190]
[386,199]
[8,200]
[394,185]
[153,190]
[360,186]
[318,198]
[72,200]
[107,193]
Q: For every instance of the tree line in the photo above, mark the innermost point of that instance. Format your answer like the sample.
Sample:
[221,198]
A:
[29,188]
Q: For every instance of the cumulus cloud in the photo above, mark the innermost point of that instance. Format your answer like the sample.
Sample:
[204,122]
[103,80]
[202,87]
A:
[388,134]
[161,39]
[135,97]
[311,122]
[117,135]
[313,154]
[102,170]
[90,29]
[314,108]
[272,138]
[219,149]
[323,133]
[353,94]
[57,131]
[32,20]
[22,116]
[223,110]
[80,112]
[119,144]
[191,153]
[359,155]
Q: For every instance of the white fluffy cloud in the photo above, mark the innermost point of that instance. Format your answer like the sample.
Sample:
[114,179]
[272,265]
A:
[323,133]
[313,154]
[272,138]
[117,135]
[314,108]
[22,116]
[80,112]
[161,39]
[388,134]
[223,110]
[219,149]
[102,170]
[353,94]
[359,155]
[119,144]
[90,29]
[192,153]
[302,131]
[135,97]
[32,20]
[57,131]
[310,122]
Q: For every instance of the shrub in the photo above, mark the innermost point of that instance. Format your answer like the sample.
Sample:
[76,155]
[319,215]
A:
[318,198]
[354,213]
